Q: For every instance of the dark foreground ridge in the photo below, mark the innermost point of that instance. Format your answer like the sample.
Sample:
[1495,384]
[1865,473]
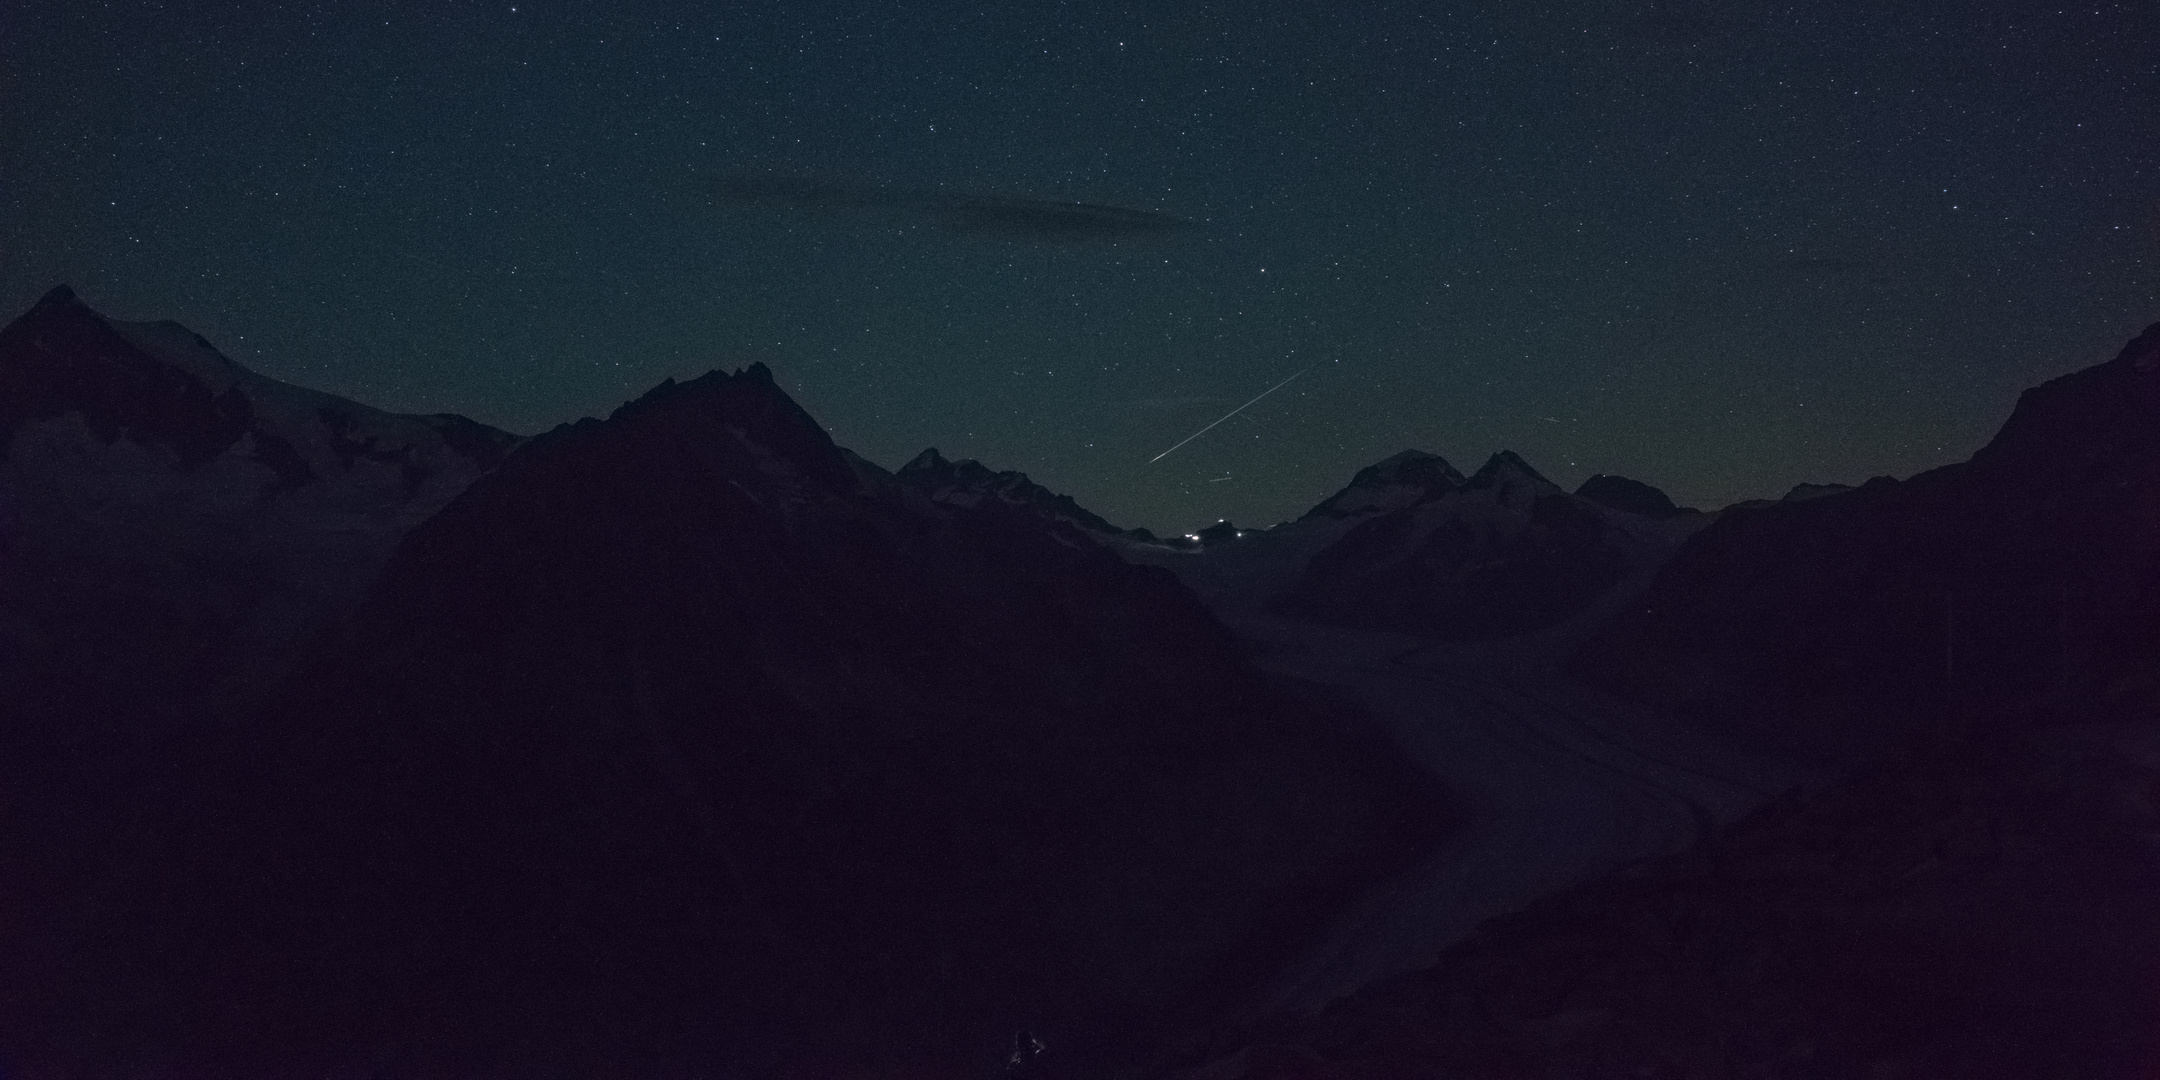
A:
[687,738]
[2020,586]
[1980,909]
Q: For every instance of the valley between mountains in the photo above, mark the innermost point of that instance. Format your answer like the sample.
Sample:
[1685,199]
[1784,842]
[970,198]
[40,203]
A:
[688,742]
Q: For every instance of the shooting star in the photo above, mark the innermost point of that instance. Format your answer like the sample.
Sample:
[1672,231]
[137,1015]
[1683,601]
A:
[1219,480]
[1226,416]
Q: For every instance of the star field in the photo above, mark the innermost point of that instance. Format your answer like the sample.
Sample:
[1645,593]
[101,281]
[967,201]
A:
[1722,248]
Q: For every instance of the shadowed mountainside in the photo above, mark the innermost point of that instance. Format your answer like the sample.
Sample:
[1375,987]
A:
[687,735]
[1978,909]
[965,485]
[2022,583]
[1975,904]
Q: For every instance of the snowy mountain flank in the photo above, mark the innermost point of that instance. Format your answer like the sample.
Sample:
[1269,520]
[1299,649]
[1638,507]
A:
[688,741]
[174,524]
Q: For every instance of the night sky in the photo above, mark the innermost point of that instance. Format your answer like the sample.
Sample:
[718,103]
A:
[1721,247]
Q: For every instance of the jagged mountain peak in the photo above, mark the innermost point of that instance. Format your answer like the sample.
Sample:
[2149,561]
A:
[870,739]
[933,467]
[749,406]
[967,483]
[927,461]
[1503,552]
[61,357]
[163,387]
[177,524]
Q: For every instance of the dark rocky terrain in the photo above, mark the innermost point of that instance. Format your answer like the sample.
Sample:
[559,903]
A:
[172,528]
[2021,585]
[1978,908]
[688,741]
[686,736]
[966,485]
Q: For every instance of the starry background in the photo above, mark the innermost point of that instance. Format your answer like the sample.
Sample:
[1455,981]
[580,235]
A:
[1722,247]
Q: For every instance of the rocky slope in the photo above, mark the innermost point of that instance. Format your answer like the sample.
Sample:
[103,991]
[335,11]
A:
[2018,585]
[686,735]
[1978,908]
[965,485]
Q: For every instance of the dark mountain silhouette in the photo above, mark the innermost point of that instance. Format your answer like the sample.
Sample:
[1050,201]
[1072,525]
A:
[688,735]
[1500,553]
[1402,481]
[1979,909]
[1633,496]
[1976,901]
[174,524]
[172,528]
[963,485]
[2022,584]
[689,739]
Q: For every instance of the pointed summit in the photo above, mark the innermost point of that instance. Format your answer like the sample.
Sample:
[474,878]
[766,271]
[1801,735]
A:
[178,524]
[1506,465]
[61,357]
[660,674]
[927,461]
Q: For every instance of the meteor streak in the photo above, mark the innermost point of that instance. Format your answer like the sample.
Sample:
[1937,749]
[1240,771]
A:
[1227,416]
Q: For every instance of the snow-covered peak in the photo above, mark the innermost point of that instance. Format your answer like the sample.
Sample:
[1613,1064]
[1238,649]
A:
[193,521]
[167,391]
[1406,479]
